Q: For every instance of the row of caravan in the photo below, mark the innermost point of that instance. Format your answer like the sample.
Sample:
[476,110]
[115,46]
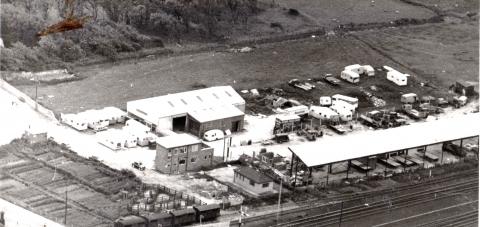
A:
[352,73]
[96,120]
[339,111]
[134,133]
[335,108]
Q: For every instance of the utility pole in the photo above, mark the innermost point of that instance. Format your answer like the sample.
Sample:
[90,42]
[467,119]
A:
[279,199]
[66,199]
[341,214]
[224,141]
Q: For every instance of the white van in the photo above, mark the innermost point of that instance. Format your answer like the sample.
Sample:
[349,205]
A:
[350,76]
[212,135]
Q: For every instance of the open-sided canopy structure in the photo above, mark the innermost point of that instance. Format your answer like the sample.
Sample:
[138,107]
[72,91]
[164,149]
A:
[344,148]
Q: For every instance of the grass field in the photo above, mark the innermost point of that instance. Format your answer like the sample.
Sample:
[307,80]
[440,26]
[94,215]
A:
[441,53]
[436,53]
[267,66]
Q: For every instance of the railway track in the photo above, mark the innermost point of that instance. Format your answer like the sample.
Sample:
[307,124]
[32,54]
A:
[313,205]
[402,188]
[469,218]
[397,202]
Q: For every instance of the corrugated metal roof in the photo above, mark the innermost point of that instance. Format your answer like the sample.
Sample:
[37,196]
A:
[180,103]
[214,113]
[343,148]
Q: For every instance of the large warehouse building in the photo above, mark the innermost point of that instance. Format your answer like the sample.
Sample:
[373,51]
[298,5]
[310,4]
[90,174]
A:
[194,111]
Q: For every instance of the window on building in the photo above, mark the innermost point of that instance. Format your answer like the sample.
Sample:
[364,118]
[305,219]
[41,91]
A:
[228,93]
[193,160]
[181,150]
[216,96]
[265,185]
[252,183]
[171,104]
[181,162]
[184,102]
[195,147]
[198,97]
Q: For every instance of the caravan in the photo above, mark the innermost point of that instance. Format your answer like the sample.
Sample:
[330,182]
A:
[368,70]
[74,121]
[350,76]
[397,77]
[343,114]
[117,139]
[350,100]
[323,113]
[356,68]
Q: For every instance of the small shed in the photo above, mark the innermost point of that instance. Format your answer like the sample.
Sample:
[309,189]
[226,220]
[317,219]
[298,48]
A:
[286,123]
[208,212]
[35,134]
[252,180]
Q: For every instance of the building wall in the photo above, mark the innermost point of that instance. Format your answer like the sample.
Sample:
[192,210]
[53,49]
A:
[35,138]
[247,184]
[182,159]
[199,129]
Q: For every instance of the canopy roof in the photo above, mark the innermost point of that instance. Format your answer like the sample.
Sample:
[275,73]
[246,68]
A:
[343,148]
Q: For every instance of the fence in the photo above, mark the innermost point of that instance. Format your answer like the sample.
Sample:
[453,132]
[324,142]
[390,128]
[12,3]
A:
[27,100]
[156,202]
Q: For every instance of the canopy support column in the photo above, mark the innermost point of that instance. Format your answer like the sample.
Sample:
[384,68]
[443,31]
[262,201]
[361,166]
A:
[348,167]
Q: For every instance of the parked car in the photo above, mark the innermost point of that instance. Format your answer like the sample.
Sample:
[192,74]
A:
[331,80]
[212,135]
[138,165]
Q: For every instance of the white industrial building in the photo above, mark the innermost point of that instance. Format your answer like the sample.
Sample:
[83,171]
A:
[194,111]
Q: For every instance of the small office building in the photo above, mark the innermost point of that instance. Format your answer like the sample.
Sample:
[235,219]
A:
[181,153]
